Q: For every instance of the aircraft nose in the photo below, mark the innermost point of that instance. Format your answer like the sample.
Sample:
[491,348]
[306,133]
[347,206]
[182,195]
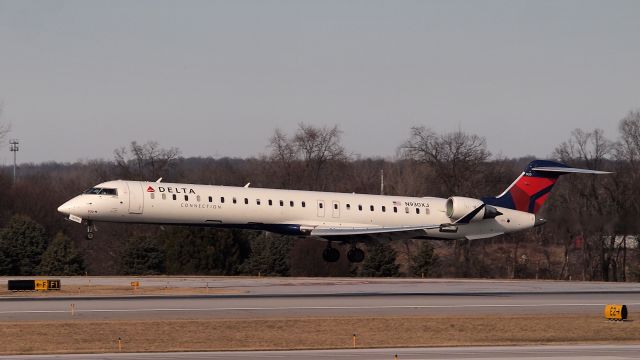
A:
[65,208]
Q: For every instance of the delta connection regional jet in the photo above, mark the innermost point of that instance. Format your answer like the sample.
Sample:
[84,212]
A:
[332,216]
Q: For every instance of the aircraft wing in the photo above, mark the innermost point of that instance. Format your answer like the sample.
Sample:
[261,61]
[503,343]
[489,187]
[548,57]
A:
[324,231]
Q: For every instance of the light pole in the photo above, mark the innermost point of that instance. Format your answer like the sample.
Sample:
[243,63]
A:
[14,146]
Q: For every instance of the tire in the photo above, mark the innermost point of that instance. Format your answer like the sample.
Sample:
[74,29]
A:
[330,255]
[355,255]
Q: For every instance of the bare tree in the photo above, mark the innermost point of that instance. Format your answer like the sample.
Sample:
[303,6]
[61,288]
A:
[318,147]
[283,153]
[590,198]
[588,148]
[627,156]
[145,162]
[454,157]
[4,128]
[625,192]
[628,148]
[307,154]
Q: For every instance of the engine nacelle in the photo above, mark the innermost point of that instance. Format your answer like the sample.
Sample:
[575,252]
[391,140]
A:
[457,207]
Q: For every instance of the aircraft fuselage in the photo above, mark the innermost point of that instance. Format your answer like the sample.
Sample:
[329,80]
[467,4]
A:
[290,212]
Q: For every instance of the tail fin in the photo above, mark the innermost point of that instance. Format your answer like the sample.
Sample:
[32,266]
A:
[530,190]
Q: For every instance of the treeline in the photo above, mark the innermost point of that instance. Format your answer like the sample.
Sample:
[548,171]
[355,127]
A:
[26,250]
[591,233]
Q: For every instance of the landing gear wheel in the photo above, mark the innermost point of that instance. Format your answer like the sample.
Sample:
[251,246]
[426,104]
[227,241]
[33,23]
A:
[355,255]
[90,229]
[330,254]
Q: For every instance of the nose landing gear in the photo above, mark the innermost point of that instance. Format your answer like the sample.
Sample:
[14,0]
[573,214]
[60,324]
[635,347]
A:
[91,228]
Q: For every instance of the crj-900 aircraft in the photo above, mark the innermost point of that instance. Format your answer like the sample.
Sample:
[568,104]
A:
[340,217]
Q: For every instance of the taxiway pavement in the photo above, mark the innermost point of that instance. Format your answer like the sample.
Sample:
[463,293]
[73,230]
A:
[592,352]
[300,297]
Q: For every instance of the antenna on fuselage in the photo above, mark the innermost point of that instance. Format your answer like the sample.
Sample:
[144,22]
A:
[159,180]
[247,185]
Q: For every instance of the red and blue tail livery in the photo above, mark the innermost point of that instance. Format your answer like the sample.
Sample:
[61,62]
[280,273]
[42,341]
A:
[531,189]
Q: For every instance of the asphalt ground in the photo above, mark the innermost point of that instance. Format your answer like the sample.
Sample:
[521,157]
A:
[313,297]
[592,352]
[333,286]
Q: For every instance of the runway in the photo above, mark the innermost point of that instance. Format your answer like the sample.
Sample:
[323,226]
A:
[322,300]
[337,286]
[302,297]
[592,352]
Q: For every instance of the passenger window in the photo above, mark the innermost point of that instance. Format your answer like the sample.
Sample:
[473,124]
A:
[235,200]
[186,198]
[320,205]
[360,207]
[291,203]
[210,198]
[164,196]
[384,208]
[246,201]
[222,199]
[371,207]
[406,210]
[198,198]
[281,203]
[426,211]
[348,206]
[418,211]
[270,202]
[174,197]
[304,204]
[395,209]
[335,206]
[257,201]
[153,196]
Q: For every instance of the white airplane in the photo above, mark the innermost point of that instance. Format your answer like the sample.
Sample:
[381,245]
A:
[332,216]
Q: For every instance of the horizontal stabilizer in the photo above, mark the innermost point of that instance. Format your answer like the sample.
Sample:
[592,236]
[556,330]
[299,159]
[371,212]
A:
[568,170]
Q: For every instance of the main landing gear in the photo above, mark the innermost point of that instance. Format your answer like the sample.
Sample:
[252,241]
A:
[331,254]
[91,228]
[355,255]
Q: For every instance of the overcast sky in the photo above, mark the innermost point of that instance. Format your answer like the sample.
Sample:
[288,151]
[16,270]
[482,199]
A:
[215,78]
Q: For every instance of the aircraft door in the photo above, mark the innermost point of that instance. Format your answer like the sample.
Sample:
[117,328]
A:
[320,208]
[336,209]
[136,197]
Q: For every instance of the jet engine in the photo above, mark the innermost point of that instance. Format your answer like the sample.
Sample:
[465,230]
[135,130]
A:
[458,207]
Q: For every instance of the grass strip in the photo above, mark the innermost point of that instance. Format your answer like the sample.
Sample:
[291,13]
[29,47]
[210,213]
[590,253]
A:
[83,336]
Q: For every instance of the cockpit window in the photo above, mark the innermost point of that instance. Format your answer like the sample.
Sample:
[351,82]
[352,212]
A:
[101,191]
[106,191]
